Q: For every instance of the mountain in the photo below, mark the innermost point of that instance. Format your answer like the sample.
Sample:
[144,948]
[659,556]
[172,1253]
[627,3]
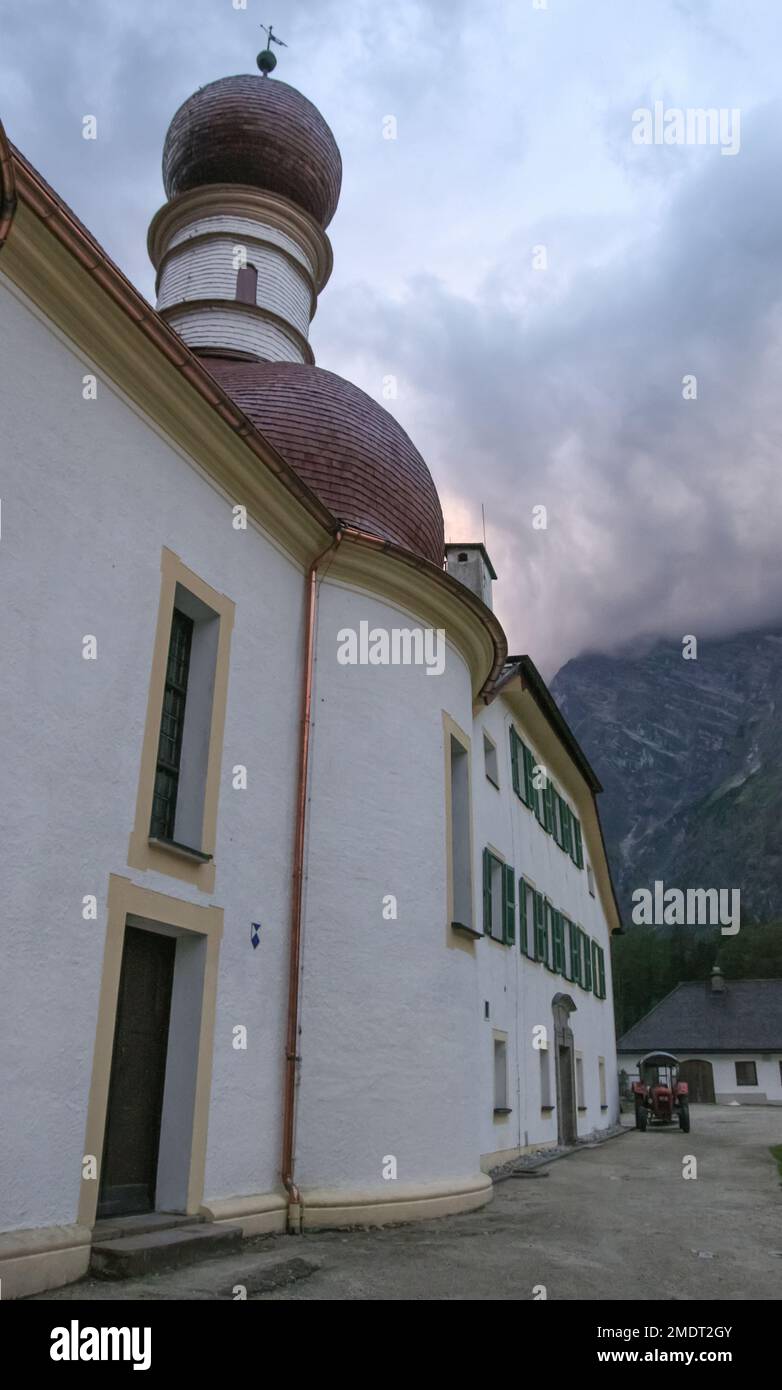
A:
[690,756]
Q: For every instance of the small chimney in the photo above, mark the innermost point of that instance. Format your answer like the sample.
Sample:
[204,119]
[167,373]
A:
[470,564]
[717,981]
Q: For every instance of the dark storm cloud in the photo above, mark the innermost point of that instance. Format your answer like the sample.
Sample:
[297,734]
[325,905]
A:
[521,387]
[664,514]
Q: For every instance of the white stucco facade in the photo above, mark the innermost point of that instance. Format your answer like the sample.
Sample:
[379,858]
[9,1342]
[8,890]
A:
[520,991]
[120,482]
[389,1023]
[91,494]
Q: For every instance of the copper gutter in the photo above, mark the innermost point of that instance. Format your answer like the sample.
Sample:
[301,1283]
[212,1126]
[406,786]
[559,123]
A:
[7,187]
[297,880]
[458,590]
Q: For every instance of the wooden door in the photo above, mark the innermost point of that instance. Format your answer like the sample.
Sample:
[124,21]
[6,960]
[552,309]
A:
[138,1070]
[699,1076]
[568,1124]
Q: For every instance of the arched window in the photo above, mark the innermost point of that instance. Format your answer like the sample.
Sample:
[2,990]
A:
[247,284]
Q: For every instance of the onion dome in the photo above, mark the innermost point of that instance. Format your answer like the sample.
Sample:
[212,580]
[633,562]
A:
[344,446]
[257,132]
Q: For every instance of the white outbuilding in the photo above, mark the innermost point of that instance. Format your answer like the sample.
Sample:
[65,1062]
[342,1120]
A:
[726,1034]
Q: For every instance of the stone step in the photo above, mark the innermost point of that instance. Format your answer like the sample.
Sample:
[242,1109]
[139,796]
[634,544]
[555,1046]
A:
[147,1253]
[117,1227]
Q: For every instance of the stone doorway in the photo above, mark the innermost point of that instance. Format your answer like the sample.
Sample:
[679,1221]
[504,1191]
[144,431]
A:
[564,1053]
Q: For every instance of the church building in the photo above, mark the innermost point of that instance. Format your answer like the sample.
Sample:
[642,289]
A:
[307,911]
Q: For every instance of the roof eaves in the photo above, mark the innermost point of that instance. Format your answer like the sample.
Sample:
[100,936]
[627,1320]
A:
[531,679]
[8,198]
[649,1013]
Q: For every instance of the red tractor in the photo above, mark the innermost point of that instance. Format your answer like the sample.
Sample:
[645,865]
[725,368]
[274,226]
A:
[660,1097]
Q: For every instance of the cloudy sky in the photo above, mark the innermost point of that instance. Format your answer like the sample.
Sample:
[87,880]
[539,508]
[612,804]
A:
[522,386]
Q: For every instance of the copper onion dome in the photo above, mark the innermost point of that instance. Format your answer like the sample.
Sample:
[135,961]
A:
[258,132]
[345,446]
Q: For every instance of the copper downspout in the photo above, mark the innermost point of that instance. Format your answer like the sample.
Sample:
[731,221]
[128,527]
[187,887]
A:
[291,1040]
[7,187]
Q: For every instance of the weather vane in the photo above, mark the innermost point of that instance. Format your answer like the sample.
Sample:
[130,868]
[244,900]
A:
[266,60]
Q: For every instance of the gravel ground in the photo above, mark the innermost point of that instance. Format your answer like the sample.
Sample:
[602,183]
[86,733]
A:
[542,1157]
[614,1221]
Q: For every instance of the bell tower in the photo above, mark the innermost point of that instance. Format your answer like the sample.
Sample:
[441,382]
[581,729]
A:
[252,175]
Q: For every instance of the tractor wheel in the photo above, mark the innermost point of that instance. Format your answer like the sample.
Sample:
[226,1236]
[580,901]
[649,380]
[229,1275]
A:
[641,1117]
[684,1117]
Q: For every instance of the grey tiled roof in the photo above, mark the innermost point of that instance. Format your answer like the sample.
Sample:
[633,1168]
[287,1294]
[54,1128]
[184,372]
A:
[747,1017]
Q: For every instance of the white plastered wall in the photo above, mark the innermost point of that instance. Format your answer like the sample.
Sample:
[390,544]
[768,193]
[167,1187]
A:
[91,493]
[389,1008]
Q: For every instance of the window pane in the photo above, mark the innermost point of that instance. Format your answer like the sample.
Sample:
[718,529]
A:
[172,724]
[500,1075]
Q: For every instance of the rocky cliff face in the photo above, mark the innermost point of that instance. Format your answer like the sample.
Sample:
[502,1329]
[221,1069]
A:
[690,756]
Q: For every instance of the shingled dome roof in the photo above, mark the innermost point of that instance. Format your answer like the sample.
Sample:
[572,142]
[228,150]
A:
[345,446]
[258,132]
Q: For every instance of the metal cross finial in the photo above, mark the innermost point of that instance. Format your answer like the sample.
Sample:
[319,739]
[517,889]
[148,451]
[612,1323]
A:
[272,38]
[266,60]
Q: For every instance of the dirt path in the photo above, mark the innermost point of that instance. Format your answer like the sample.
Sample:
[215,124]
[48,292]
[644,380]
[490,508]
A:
[619,1221]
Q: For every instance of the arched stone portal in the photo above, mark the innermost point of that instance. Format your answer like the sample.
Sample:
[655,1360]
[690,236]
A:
[564,1053]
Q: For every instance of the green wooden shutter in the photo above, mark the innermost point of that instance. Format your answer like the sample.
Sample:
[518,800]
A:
[514,760]
[575,954]
[525,927]
[559,943]
[548,807]
[550,917]
[598,971]
[509,903]
[576,847]
[529,790]
[566,832]
[539,794]
[540,928]
[586,978]
[565,932]
[487,892]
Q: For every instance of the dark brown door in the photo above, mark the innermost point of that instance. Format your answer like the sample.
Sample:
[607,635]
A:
[138,1070]
[699,1076]
[567,1127]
